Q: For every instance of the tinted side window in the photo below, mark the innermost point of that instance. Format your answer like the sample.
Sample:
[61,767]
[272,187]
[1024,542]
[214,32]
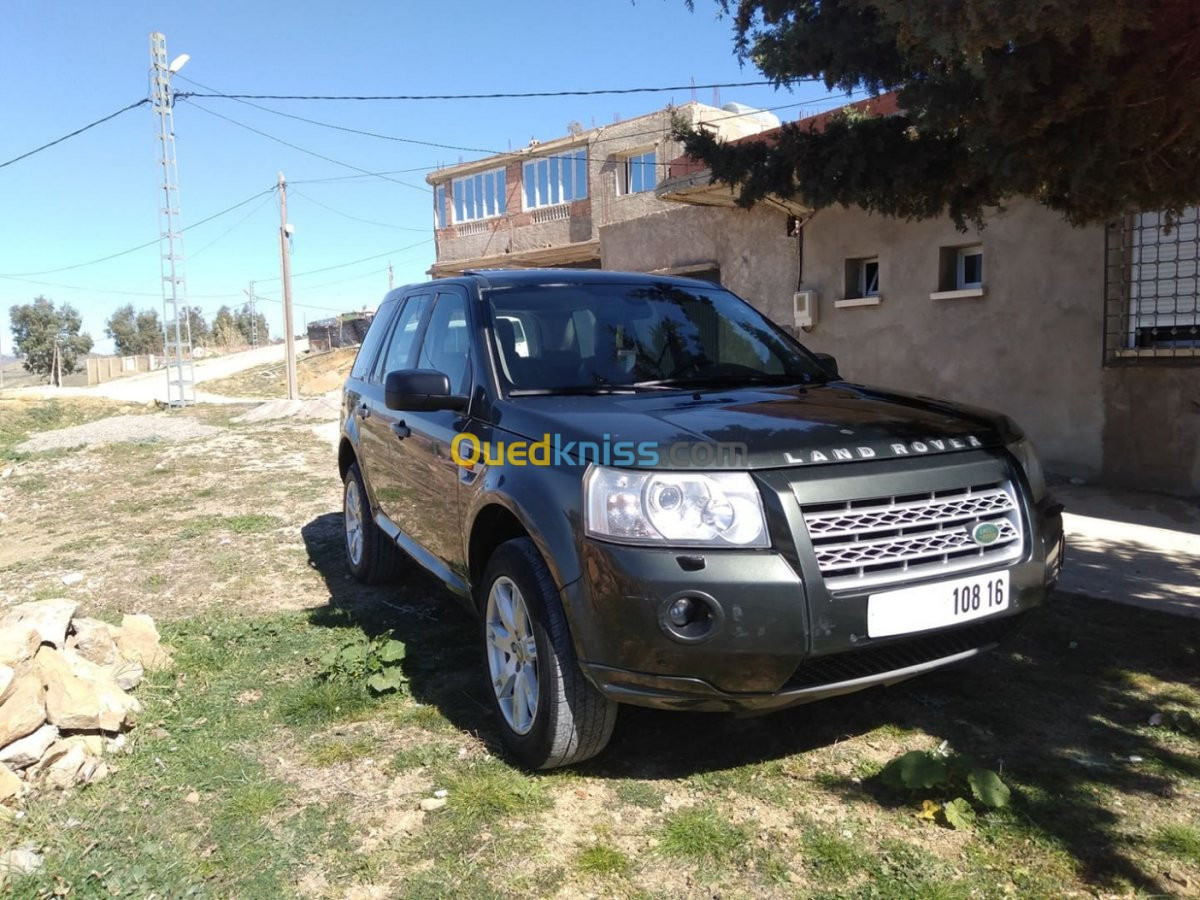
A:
[374,338]
[446,341]
[400,345]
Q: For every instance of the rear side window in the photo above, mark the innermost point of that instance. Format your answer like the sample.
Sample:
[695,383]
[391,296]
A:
[370,345]
[399,348]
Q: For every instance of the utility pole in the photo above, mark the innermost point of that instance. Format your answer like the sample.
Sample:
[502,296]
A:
[177,326]
[285,262]
[391,276]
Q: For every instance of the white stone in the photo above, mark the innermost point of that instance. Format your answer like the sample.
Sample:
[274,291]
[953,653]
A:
[128,675]
[138,641]
[6,680]
[26,751]
[21,861]
[81,696]
[429,804]
[47,618]
[94,641]
[23,711]
[11,785]
[72,578]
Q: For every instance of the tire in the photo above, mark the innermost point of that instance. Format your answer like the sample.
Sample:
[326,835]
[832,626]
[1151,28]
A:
[567,720]
[371,556]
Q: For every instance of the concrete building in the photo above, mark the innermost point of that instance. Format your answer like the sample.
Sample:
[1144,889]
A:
[1089,337]
[544,205]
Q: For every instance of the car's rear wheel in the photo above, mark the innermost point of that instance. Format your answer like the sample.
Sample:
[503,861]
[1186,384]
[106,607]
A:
[372,557]
[549,714]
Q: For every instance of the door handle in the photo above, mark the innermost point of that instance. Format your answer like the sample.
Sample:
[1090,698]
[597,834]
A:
[400,430]
[364,411]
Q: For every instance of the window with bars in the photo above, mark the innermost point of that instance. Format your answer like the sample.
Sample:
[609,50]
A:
[1152,301]
[478,196]
[550,180]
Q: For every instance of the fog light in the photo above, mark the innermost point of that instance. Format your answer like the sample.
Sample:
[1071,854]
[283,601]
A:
[680,612]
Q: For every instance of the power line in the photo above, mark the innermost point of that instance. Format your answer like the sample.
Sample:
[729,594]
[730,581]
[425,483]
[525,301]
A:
[92,262]
[336,162]
[350,217]
[518,95]
[72,134]
[353,262]
[238,224]
[96,290]
[373,134]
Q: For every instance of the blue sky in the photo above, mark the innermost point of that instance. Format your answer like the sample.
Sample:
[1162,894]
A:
[66,63]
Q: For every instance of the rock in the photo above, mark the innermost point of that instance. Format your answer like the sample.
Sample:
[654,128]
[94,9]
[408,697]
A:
[6,680]
[127,675]
[47,618]
[93,769]
[81,696]
[429,804]
[18,645]
[8,470]
[62,763]
[138,641]
[21,861]
[72,578]
[11,785]
[26,751]
[441,793]
[93,641]
[23,711]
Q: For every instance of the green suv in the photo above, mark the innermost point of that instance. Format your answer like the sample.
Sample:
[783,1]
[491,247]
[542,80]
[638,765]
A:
[651,494]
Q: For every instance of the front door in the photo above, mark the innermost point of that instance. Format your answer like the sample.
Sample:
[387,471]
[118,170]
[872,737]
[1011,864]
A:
[426,473]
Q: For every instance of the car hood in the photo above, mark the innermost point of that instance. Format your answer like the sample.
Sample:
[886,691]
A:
[794,426]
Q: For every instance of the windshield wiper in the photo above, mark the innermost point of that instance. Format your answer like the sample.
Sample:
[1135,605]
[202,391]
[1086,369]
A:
[724,381]
[574,390]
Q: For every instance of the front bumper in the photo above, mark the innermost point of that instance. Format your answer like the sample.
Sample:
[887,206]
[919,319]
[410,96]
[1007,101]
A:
[777,636]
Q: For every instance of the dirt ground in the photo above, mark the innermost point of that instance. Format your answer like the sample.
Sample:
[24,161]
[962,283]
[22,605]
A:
[306,785]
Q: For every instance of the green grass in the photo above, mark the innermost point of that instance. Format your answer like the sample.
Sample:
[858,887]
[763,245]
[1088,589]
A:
[332,752]
[638,793]
[702,834]
[603,861]
[251,523]
[1180,841]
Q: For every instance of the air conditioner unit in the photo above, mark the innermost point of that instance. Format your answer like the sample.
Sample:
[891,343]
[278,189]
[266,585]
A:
[804,308]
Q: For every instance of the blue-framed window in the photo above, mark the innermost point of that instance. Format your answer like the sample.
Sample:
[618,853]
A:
[478,196]
[439,206]
[550,180]
[640,173]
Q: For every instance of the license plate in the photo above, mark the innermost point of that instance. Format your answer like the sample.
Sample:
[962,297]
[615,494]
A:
[936,605]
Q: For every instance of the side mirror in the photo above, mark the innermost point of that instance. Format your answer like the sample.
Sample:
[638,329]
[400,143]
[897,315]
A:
[828,363]
[420,390]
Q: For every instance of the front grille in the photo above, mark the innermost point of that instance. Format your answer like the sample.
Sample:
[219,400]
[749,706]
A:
[866,543]
[864,663]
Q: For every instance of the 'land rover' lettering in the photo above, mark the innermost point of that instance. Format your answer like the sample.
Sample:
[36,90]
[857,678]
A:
[843,454]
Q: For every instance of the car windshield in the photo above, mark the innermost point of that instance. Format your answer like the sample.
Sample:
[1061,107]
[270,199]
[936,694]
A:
[656,335]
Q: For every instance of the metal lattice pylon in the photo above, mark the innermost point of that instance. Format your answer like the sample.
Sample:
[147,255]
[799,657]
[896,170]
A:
[177,326]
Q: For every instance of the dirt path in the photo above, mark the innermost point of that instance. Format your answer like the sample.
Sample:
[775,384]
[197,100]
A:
[153,385]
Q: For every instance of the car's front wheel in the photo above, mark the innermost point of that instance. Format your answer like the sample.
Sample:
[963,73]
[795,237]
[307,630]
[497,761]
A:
[549,714]
[372,557]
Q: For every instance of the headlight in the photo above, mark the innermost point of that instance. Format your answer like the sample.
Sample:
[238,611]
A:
[1027,456]
[713,509]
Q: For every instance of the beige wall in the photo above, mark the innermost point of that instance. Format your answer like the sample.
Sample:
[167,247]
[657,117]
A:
[1030,347]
